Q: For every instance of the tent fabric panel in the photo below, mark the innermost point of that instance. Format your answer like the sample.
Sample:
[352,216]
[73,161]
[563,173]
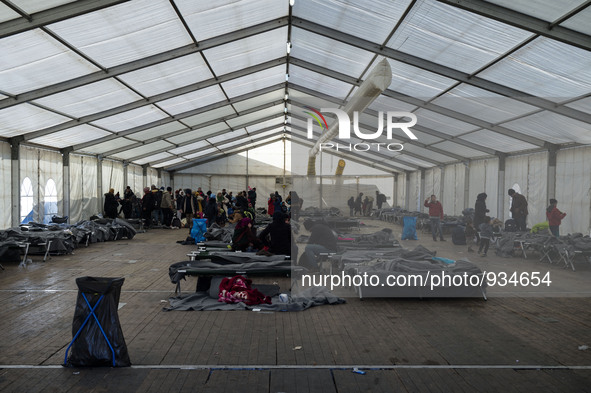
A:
[155,157]
[583,105]
[190,101]
[579,22]
[89,99]
[370,20]
[130,119]
[33,6]
[212,19]
[484,177]
[135,179]
[453,189]
[552,127]
[145,149]
[24,118]
[539,69]
[325,84]
[255,81]
[482,104]
[247,52]
[454,37]
[125,32]
[112,178]
[442,123]
[573,189]
[33,59]
[7,13]
[493,140]
[254,116]
[71,136]
[546,10]
[261,99]
[76,192]
[527,174]
[152,177]
[107,146]
[169,75]
[214,114]
[199,134]
[325,52]
[158,131]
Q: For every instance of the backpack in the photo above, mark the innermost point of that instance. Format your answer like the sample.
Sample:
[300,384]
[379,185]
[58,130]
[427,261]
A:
[458,236]
[176,222]
[510,225]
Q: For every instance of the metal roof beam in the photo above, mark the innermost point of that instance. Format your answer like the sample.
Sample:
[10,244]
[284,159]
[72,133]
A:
[183,115]
[434,133]
[53,15]
[524,21]
[145,62]
[218,146]
[391,159]
[427,105]
[355,157]
[217,156]
[155,99]
[439,69]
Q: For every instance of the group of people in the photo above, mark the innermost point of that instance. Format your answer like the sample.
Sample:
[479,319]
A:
[481,226]
[363,206]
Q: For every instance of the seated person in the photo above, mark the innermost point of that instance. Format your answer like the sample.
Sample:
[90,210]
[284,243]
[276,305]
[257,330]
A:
[277,235]
[244,238]
[322,240]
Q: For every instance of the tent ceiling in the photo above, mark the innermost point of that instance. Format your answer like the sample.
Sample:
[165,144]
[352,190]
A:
[176,83]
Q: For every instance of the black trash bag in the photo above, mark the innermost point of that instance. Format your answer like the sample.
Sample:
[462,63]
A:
[91,348]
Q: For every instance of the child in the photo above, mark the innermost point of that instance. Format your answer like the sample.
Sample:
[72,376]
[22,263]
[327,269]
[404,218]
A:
[470,232]
[486,232]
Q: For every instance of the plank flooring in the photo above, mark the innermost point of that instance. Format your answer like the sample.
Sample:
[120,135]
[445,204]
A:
[518,340]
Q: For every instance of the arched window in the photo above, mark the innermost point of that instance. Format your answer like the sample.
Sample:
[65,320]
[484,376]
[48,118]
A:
[50,208]
[26,201]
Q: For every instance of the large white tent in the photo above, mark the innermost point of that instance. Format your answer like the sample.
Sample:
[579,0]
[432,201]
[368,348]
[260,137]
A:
[100,94]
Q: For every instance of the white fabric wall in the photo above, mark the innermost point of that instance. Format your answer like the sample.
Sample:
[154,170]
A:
[152,176]
[573,189]
[401,191]
[432,183]
[484,178]
[530,172]
[414,200]
[40,165]
[83,187]
[5,186]
[135,179]
[112,177]
[453,189]
[165,179]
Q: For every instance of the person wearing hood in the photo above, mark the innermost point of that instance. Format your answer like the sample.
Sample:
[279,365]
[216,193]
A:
[111,204]
[555,217]
[480,211]
[277,235]
[244,238]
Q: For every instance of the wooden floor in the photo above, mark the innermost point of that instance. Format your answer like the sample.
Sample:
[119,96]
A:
[518,340]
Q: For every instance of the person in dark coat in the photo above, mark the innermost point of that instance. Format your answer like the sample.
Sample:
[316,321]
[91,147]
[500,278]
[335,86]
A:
[211,211]
[244,238]
[277,235]
[518,209]
[127,205]
[147,206]
[322,240]
[480,211]
[111,204]
[358,203]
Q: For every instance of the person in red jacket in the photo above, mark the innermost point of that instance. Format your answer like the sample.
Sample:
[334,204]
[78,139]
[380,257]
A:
[435,215]
[555,217]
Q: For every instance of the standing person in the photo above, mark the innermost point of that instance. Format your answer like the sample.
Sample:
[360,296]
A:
[167,207]
[358,203]
[380,199]
[480,211]
[147,206]
[111,204]
[296,204]
[252,196]
[271,204]
[518,209]
[486,232]
[351,204]
[188,207]
[555,217]
[126,204]
[435,215]
[211,210]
